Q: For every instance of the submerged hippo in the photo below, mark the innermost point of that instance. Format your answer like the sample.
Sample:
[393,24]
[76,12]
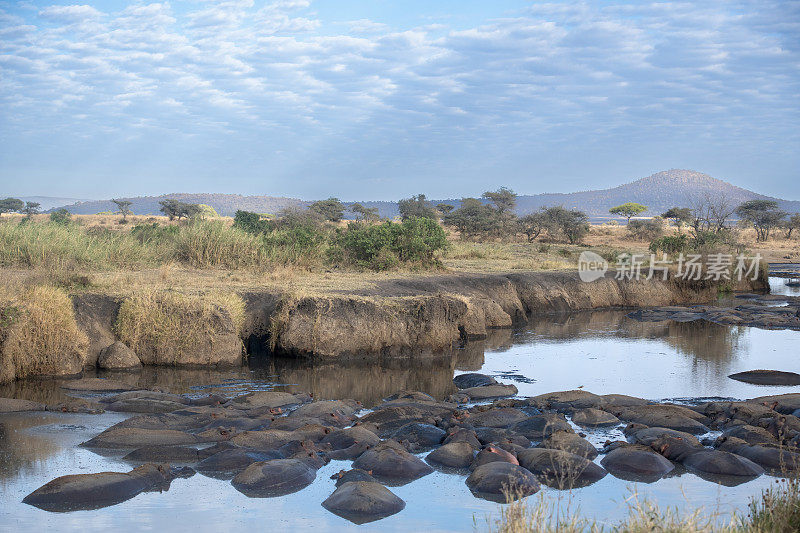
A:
[93,491]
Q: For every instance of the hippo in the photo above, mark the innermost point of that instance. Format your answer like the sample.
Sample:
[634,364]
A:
[502,482]
[361,502]
[389,462]
[278,477]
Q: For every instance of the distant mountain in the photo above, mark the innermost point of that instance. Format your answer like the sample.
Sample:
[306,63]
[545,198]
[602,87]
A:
[659,192]
[224,204]
[49,202]
[670,188]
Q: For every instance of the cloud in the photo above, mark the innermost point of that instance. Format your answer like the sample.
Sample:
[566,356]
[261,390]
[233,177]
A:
[365,97]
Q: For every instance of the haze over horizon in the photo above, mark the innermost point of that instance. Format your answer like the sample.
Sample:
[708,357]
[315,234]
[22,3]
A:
[381,100]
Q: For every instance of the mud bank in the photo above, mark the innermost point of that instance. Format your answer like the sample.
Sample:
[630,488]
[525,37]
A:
[396,318]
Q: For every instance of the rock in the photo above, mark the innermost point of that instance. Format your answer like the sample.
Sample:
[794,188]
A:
[354,474]
[721,463]
[419,437]
[94,491]
[226,463]
[767,377]
[633,463]
[570,442]
[389,462]
[667,416]
[278,477]
[344,438]
[118,356]
[502,482]
[122,437]
[488,392]
[560,469]
[496,417]
[361,502]
[13,405]
[96,385]
[468,381]
[452,455]
[593,418]
[538,427]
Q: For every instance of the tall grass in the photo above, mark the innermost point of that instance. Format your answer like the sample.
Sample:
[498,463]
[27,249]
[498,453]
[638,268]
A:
[777,510]
[38,333]
[213,244]
[164,326]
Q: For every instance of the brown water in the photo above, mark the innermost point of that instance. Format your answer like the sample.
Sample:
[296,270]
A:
[601,351]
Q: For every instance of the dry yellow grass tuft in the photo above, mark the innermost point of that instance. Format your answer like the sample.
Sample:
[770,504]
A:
[38,333]
[168,327]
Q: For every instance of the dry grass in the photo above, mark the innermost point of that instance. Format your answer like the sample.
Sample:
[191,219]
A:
[38,333]
[777,510]
[164,327]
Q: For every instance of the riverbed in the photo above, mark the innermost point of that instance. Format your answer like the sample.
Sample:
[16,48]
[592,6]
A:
[599,351]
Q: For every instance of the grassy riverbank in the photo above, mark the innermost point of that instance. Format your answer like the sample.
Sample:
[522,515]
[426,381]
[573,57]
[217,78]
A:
[776,510]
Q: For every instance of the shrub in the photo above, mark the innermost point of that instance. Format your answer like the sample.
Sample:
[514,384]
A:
[250,222]
[415,240]
[670,244]
[646,230]
[61,217]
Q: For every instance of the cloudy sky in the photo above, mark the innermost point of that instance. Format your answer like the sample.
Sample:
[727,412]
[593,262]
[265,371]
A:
[381,99]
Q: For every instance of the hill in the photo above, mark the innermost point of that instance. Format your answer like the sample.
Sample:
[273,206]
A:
[670,188]
[49,202]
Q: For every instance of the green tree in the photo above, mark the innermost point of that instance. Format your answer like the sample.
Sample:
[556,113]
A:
[504,199]
[417,206]
[31,208]
[61,217]
[628,210]
[792,224]
[10,205]
[364,213]
[678,215]
[444,208]
[764,215]
[566,224]
[534,224]
[331,209]
[473,218]
[176,209]
[123,207]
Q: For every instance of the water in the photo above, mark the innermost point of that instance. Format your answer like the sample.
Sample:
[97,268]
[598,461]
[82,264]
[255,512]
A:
[601,351]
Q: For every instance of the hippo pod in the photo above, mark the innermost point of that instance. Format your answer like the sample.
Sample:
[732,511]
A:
[94,491]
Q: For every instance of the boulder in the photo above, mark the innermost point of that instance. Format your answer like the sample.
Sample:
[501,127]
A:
[454,455]
[278,477]
[636,463]
[560,469]
[118,356]
[502,482]
[361,502]
[389,462]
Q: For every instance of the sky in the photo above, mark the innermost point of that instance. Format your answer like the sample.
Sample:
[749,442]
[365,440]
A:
[380,99]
